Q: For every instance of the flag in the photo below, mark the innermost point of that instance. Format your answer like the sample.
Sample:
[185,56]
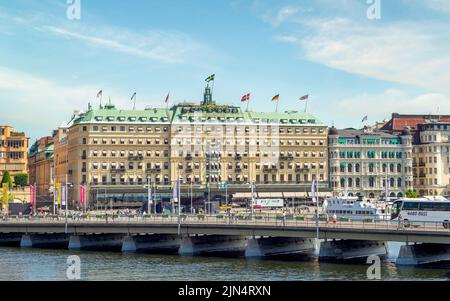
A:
[276,98]
[32,195]
[133,96]
[167,98]
[210,78]
[63,195]
[175,190]
[100,93]
[305,97]
[246,97]
[82,194]
[58,193]
[314,191]
[365,118]
[4,194]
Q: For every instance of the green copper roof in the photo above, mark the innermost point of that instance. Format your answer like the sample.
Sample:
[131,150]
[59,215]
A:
[192,113]
[109,113]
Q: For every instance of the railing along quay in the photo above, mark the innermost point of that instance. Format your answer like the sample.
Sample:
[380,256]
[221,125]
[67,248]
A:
[308,221]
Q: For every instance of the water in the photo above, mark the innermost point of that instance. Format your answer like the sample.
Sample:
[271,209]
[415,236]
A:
[35,265]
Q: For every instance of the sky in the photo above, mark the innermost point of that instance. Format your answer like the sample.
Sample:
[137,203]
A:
[54,58]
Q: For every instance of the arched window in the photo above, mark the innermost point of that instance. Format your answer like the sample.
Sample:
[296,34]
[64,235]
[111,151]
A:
[371,182]
[399,182]
[357,167]
[399,168]
[358,182]
[350,168]
[342,183]
[399,195]
[350,182]
[391,182]
[371,167]
[391,168]
[384,167]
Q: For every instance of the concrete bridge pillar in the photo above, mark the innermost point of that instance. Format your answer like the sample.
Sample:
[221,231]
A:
[213,245]
[10,239]
[51,241]
[351,250]
[152,243]
[280,248]
[96,242]
[423,254]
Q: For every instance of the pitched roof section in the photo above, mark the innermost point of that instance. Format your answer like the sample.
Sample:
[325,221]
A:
[192,113]
[111,114]
[399,121]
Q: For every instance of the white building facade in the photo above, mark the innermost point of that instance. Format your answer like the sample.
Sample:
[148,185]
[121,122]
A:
[361,162]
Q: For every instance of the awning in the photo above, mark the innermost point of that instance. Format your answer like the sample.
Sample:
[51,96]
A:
[241,195]
[270,195]
[294,194]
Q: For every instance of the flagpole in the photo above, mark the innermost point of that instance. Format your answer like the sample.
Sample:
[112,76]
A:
[306,104]
[276,108]
[248,101]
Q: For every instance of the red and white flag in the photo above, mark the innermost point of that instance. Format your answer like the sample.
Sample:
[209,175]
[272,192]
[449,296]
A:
[245,98]
[305,97]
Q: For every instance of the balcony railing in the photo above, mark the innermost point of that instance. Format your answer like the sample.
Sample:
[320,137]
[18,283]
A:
[136,158]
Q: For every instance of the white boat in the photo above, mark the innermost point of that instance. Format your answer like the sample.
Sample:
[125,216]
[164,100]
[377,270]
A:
[352,208]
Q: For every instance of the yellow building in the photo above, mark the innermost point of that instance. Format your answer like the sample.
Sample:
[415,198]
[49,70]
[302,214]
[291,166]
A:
[13,151]
[115,152]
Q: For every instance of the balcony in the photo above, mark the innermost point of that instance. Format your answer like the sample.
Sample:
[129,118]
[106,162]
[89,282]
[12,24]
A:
[136,158]
[117,170]
[238,157]
[83,157]
[188,157]
[286,158]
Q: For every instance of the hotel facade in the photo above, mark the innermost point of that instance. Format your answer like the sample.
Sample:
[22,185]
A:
[363,162]
[116,152]
[431,150]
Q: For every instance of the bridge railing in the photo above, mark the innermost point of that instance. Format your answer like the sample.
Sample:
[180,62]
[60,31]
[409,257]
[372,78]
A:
[268,219]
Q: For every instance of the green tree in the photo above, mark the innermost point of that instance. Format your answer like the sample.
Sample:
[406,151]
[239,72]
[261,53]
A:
[411,194]
[7,179]
[21,179]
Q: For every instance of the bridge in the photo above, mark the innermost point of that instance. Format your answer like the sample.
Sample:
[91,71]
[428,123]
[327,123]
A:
[267,237]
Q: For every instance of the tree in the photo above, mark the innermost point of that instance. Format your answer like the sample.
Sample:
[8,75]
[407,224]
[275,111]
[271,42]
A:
[21,179]
[411,194]
[7,179]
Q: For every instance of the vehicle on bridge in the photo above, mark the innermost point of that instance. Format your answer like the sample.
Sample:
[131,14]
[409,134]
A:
[420,211]
[352,208]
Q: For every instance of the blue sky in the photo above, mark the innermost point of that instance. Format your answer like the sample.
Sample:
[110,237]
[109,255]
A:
[350,65]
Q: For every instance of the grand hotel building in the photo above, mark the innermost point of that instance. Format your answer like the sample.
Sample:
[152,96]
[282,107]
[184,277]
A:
[115,152]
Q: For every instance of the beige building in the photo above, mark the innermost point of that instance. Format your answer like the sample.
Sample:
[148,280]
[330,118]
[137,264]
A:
[115,152]
[432,159]
[13,151]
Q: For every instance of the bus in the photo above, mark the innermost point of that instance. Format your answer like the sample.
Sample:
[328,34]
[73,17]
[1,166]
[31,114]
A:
[416,211]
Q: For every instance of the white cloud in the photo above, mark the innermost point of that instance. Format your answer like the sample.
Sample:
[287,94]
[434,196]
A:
[415,54]
[380,106]
[441,6]
[40,105]
[281,15]
[168,47]
[287,39]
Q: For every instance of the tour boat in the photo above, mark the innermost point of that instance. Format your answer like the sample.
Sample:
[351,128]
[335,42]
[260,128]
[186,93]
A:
[351,208]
